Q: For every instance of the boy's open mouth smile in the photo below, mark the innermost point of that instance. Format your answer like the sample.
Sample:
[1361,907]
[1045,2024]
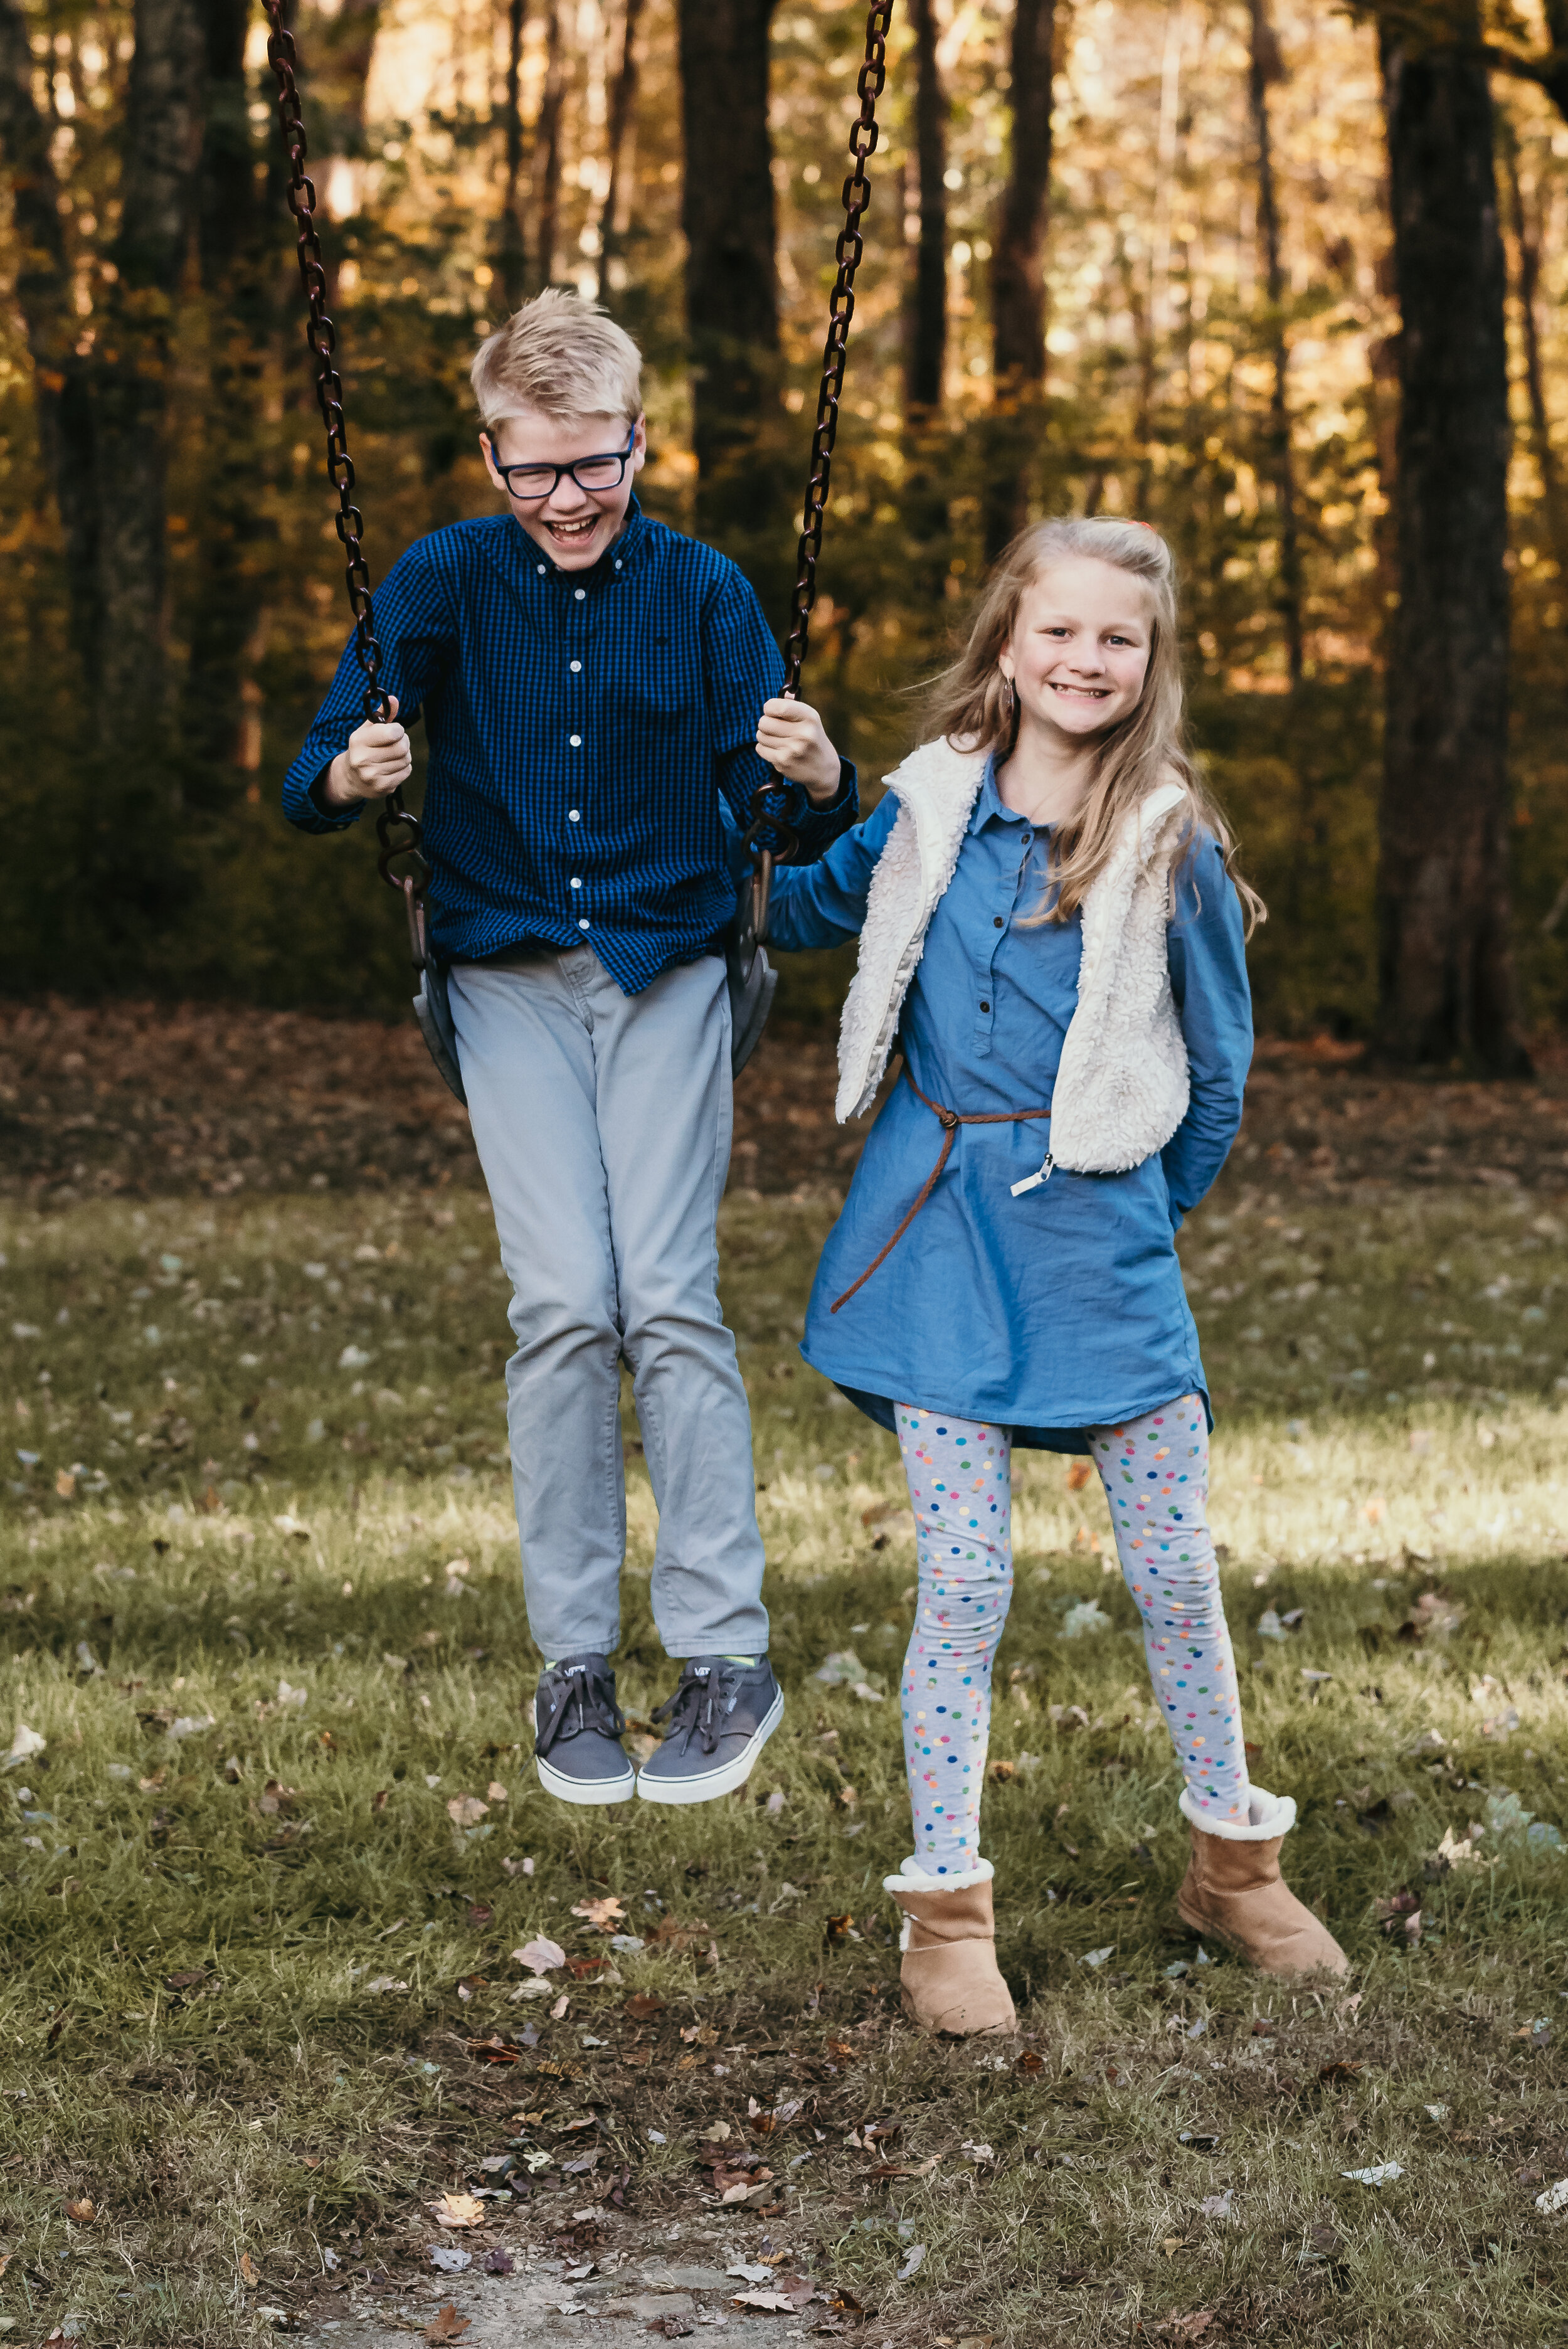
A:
[572,528]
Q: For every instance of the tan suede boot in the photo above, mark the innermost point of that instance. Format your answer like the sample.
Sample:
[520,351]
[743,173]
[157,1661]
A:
[948,1970]
[1233,1891]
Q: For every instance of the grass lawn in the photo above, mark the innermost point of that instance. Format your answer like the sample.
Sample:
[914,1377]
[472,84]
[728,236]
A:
[262,1884]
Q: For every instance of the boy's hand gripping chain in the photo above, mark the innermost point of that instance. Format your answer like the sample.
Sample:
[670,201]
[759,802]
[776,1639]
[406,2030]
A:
[768,838]
[320,336]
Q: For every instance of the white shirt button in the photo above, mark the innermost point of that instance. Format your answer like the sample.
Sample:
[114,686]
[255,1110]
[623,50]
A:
[576,881]
[541,570]
[575,666]
[582,926]
[617,562]
[576,740]
[579,592]
[573,815]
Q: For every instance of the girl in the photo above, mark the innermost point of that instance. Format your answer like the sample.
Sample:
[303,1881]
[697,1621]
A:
[1052,934]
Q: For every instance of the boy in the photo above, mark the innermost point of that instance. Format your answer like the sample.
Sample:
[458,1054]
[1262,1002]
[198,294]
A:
[589,682]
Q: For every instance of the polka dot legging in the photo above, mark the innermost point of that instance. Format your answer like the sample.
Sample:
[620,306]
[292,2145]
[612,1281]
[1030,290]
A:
[1155,1471]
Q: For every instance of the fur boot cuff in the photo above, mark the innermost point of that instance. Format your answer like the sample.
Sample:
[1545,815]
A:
[1268,1815]
[913,1878]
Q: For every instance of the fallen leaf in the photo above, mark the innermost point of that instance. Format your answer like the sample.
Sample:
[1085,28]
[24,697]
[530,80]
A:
[458,2210]
[249,2269]
[540,1956]
[1217,2206]
[642,2006]
[447,2325]
[1185,2328]
[83,2212]
[668,1934]
[1028,2065]
[603,1915]
[1555,2198]
[493,2050]
[776,2300]
[1401,1916]
[1339,2070]
[467,1810]
[1383,2174]
[497,2262]
[448,2259]
[914,2263]
[24,1744]
[1078,1474]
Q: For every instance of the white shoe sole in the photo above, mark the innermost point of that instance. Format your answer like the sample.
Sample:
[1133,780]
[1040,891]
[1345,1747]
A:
[710,1785]
[585,1790]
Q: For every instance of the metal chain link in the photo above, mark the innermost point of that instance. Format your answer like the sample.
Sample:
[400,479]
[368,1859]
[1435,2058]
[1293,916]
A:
[769,839]
[396,829]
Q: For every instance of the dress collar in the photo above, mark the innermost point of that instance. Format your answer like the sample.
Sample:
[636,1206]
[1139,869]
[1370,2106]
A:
[988,800]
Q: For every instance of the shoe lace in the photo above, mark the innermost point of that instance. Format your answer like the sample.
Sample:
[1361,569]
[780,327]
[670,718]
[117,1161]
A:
[701,1704]
[578,1697]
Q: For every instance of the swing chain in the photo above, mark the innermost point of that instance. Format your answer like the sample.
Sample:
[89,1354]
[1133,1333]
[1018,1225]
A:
[769,839]
[396,829]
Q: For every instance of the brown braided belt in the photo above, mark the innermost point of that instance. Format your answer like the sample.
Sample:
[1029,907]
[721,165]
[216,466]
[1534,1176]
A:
[950,1119]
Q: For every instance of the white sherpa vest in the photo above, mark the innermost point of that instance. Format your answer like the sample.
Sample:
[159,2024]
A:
[1121,1090]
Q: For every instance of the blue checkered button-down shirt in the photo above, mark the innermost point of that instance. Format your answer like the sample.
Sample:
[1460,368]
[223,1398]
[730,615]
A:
[584,729]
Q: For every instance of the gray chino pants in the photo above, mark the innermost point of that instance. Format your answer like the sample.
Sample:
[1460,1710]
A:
[603,1123]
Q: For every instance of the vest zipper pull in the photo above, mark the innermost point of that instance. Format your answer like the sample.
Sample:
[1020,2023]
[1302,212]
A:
[1033,1182]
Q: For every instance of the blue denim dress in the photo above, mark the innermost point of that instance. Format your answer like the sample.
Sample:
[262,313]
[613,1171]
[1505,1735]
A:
[1063,1308]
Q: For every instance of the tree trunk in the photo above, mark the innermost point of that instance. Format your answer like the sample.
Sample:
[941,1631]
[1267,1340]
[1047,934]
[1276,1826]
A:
[547,148]
[926,337]
[621,139]
[1444,964]
[242,260]
[513,253]
[159,144]
[1527,295]
[337,47]
[44,297]
[1265,67]
[727,213]
[1017,276]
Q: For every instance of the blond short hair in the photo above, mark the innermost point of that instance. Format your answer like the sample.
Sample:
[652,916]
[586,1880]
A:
[560,357]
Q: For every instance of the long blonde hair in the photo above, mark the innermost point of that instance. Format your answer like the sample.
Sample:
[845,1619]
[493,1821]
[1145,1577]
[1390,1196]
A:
[973,703]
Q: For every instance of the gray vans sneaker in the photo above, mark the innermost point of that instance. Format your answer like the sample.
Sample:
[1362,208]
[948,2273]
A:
[720,1718]
[577,1729]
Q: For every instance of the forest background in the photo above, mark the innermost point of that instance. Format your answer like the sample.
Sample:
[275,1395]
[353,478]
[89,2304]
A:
[1285,280]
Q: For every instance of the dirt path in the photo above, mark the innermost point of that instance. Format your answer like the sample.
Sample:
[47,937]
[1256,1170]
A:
[139,1100]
